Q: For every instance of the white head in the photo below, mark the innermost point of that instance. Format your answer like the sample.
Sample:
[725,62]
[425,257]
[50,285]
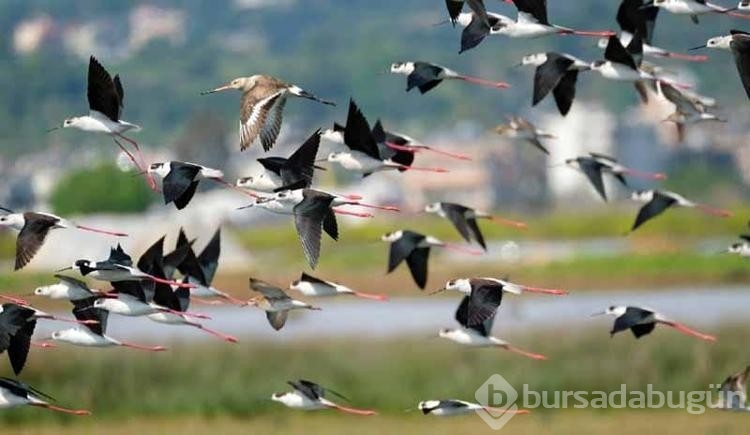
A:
[448,333]
[736,248]
[598,65]
[402,68]
[338,156]
[161,169]
[64,334]
[616,310]
[261,182]
[286,196]
[462,285]
[720,42]
[286,398]
[428,405]
[435,207]
[642,195]
[392,237]
[13,220]
[101,303]
[602,43]
[534,59]
[72,122]
[48,290]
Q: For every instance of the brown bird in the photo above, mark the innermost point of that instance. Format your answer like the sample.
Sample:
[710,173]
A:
[275,302]
[733,392]
[262,107]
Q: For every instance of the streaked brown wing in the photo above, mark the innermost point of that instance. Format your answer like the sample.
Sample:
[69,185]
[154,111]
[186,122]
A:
[277,319]
[31,237]
[266,289]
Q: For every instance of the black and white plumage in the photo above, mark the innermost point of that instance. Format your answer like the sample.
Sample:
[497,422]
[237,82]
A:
[532,22]
[642,321]
[33,228]
[309,396]
[464,219]
[414,248]
[67,288]
[624,64]
[556,73]
[17,325]
[595,164]
[313,213]
[692,8]
[15,393]
[262,107]
[658,201]
[737,42]
[453,407]
[280,173]
[425,76]
[309,285]
[456,6]
[180,180]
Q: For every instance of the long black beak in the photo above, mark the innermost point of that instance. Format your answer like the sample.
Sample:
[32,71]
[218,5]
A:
[698,47]
[64,269]
[440,23]
[50,130]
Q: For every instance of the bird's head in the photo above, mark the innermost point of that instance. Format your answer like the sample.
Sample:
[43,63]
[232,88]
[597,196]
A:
[281,397]
[427,405]
[535,59]
[63,334]
[402,68]
[336,156]
[333,135]
[432,208]
[294,285]
[161,169]
[642,195]
[13,220]
[240,83]
[446,332]
[676,117]
[45,290]
[460,285]
[572,162]
[720,42]
[244,182]
[392,236]
[736,248]
[71,122]
[597,65]
[613,310]
[602,42]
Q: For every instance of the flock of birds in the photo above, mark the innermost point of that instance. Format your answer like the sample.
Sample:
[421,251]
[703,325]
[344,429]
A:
[161,286]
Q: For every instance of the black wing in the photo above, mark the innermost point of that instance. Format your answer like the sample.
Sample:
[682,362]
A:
[173,260]
[309,389]
[454,9]
[103,93]
[20,343]
[633,17]
[179,181]
[330,226]
[565,92]
[301,165]
[536,8]
[417,262]
[136,289]
[633,316]
[462,317]
[32,236]
[641,330]
[425,77]
[474,33]
[151,261]
[593,171]
[652,209]
[474,228]
[83,310]
[484,301]
[456,213]
[309,278]
[549,74]
[402,248]
[309,216]
[118,256]
[209,257]
[741,49]
[277,319]
[615,52]
[357,134]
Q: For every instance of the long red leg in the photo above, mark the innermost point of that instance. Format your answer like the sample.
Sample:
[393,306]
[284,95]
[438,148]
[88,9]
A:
[140,166]
[234,187]
[416,149]
[688,331]
[61,409]
[372,296]
[459,248]
[351,213]
[418,168]
[738,15]
[185,313]
[225,337]
[507,411]
[43,345]
[548,291]
[205,301]
[646,175]
[599,34]
[531,355]
[483,82]
[354,411]
[15,300]
[508,222]
[170,282]
[142,347]
[376,207]
[713,211]
[687,57]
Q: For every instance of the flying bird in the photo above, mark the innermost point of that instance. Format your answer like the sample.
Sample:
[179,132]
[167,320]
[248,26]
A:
[281,173]
[558,73]
[733,392]
[642,321]
[262,107]
[67,288]
[477,334]
[414,248]
[519,128]
[17,325]
[690,108]
[532,22]
[453,407]
[105,96]
[738,42]
[425,76]
[693,8]
[363,155]
[309,285]
[94,335]
[180,180]
[33,228]
[275,302]
[309,396]
[658,201]
[15,393]
[402,142]
[464,219]
[467,286]
[456,6]
[595,164]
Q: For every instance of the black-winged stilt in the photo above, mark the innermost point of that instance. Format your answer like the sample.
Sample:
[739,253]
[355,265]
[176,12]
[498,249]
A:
[15,393]
[17,325]
[454,407]
[738,42]
[262,107]
[309,396]
[309,285]
[464,219]
[642,321]
[595,164]
[33,228]
[425,76]
[658,201]
[180,180]
[532,22]
[67,288]
[556,72]
[693,8]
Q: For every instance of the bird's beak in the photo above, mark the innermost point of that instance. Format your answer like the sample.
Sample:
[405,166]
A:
[518,65]
[440,23]
[219,89]
[601,313]
[50,130]
[698,47]
[440,290]
[64,269]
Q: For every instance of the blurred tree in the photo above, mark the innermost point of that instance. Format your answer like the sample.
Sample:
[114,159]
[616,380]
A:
[101,189]
[203,140]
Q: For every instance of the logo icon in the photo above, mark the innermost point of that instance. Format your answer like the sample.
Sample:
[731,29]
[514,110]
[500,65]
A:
[498,398]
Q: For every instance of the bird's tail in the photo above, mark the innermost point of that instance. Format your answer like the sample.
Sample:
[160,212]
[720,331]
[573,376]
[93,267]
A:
[296,90]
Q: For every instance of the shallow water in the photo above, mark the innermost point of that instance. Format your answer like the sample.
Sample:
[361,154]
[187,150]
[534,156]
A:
[422,316]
